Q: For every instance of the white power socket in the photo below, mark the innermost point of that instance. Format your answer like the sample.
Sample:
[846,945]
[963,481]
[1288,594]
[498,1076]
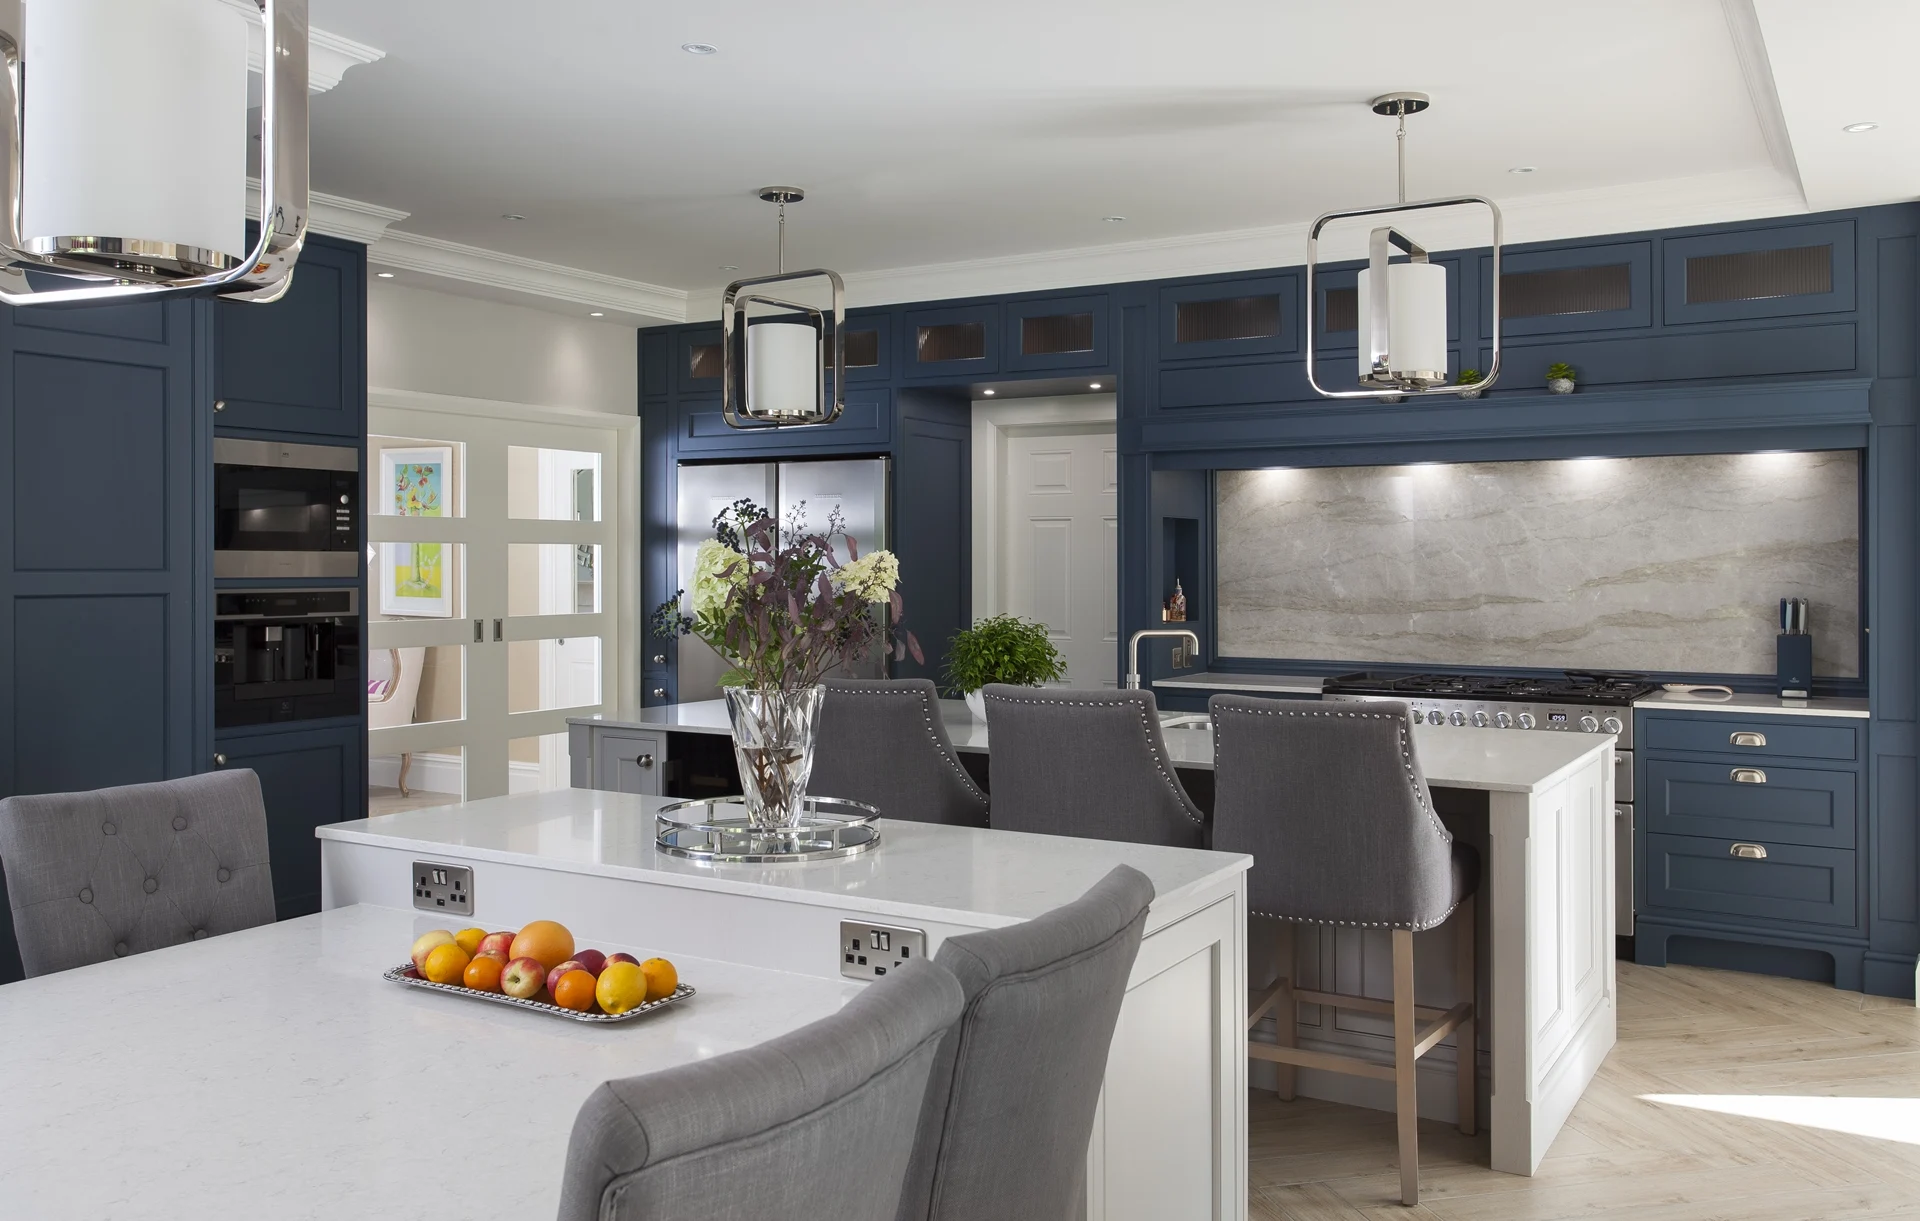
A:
[869,951]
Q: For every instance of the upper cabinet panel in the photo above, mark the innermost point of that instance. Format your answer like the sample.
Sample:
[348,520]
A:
[1256,316]
[1057,333]
[865,423]
[697,361]
[1759,273]
[145,321]
[655,348]
[299,364]
[1559,292]
[950,344]
[869,348]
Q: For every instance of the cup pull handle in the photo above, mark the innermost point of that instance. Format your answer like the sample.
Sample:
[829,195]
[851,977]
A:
[1747,738]
[1749,852]
[1748,775]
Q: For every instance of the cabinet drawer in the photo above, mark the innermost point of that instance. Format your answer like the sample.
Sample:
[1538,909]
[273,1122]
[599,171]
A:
[1761,737]
[1792,883]
[1791,806]
[628,762]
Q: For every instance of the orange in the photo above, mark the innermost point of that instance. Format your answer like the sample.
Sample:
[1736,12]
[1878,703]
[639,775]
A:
[574,991]
[469,939]
[545,941]
[446,964]
[622,986]
[483,973]
[662,979]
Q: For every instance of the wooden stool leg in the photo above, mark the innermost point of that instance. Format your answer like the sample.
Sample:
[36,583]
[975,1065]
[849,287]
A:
[406,764]
[1286,1013]
[1406,1100]
[1466,988]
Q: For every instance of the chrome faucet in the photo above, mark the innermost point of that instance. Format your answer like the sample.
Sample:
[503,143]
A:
[1167,633]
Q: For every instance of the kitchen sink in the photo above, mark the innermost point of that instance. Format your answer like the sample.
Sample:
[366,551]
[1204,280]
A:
[1184,720]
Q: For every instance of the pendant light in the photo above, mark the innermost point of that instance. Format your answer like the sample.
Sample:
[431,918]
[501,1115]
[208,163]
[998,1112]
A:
[123,152]
[774,366]
[1402,306]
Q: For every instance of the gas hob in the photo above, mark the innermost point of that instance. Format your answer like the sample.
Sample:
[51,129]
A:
[1581,701]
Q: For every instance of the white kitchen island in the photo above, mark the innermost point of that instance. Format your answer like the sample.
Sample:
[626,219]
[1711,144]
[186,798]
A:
[1539,807]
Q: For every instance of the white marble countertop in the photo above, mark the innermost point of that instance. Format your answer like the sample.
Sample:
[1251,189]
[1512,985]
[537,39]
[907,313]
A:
[1747,702]
[919,871]
[273,1073]
[1258,684]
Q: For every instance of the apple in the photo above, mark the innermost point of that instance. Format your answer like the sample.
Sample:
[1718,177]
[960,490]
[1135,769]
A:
[523,978]
[591,961]
[571,964]
[425,944]
[613,958]
[501,942]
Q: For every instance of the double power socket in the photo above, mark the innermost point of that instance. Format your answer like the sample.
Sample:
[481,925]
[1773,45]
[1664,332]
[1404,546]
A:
[869,951]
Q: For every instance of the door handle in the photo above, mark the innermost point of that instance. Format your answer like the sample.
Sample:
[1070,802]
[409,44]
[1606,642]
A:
[1749,852]
[499,630]
[1747,738]
[479,631]
[659,693]
[219,760]
[1748,775]
[645,761]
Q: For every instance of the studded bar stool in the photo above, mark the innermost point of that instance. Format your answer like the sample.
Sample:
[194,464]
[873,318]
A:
[882,741]
[1330,802]
[93,876]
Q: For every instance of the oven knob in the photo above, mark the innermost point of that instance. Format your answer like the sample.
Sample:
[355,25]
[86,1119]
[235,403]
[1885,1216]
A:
[1526,720]
[1590,724]
[1503,720]
[1479,720]
[1419,717]
[1456,718]
[1611,724]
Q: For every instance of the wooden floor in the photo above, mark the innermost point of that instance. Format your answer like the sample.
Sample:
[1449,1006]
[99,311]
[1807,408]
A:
[1805,1103]
[389,801]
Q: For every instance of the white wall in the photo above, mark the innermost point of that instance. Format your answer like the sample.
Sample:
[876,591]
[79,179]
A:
[438,343]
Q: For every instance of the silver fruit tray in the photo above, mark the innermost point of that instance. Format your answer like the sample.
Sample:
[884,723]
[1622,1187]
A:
[406,974]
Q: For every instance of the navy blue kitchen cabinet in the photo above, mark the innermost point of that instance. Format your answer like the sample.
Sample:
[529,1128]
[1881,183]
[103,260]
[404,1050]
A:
[1770,272]
[1571,290]
[309,777]
[696,361]
[1241,316]
[870,352]
[865,423]
[950,343]
[298,365]
[1057,334]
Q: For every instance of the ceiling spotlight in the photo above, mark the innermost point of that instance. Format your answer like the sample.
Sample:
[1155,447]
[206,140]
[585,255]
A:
[384,275]
[597,314]
[699,48]
[1093,385]
[1521,169]
[1857,128]
[511,216]
[988,393]
[1113,220]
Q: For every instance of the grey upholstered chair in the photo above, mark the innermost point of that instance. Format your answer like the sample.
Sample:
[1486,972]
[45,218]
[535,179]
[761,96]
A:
[818,1123]
[1009,1107]
[93,876]
[1329,800]
[882,741]
[1086,763]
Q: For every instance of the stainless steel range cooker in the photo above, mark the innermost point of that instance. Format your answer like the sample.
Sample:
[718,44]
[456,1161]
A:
[1582,701]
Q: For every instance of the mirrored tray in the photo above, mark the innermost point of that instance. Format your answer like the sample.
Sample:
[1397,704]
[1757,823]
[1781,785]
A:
[406,974]
[716,830]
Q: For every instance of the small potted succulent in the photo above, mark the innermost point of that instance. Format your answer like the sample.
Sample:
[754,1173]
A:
[1467,378]
[1003,649]
[1560,378]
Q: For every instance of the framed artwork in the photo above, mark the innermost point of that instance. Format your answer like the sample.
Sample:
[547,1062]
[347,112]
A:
[414,576]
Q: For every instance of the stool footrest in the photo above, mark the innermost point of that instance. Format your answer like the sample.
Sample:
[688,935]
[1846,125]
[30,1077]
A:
[1301,1057]
[1441,1029]
[1360,1004]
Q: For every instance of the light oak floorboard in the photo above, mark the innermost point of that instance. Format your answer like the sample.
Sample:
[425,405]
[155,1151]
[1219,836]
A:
[1684,1031]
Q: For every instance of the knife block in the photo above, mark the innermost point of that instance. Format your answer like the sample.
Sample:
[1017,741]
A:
[1794,651]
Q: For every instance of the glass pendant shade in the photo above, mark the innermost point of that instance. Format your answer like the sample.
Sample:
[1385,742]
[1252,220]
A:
[135,132]
[783,370]
[1417,325]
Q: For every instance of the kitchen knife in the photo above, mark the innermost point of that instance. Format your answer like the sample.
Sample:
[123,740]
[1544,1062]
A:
[1786,618]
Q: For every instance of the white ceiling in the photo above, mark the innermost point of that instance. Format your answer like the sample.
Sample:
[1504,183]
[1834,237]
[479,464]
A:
[976,147]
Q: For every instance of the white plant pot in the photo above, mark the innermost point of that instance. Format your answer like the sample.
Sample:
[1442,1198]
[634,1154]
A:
[1560,385]
[1471,394]
[977,705]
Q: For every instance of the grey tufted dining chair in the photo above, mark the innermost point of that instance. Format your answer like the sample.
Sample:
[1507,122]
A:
[99,875]
[1010,1104]
[882,741]
[1330,801]
[818,1123]
[1085,763]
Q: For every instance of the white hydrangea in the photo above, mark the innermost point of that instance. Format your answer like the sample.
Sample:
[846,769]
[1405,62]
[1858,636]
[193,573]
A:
[872,577]
[718,570]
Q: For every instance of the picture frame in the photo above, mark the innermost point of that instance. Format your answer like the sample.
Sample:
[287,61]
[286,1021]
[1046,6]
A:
[416,578]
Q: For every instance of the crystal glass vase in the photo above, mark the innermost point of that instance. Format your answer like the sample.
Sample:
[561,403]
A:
[773,735]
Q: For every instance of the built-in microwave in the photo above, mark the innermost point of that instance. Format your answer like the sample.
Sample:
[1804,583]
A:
[283,510]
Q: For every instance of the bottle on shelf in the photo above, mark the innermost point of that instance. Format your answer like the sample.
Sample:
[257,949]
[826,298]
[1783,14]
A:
[1175,609]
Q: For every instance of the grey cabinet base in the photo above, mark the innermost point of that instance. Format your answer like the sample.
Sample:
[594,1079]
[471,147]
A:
[1656,943]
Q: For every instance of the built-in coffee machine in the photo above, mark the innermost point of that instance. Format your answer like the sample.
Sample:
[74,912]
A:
[286,655]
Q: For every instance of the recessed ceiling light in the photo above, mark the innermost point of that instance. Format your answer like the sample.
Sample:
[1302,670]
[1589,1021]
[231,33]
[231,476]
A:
[597,314]
[1113,220]
[384,275]
[988,393]
[1093,385]
[1521,169]
[1857,128]
[511,216]
[699,48]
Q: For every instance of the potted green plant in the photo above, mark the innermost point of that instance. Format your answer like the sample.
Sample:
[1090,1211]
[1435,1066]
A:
[1003,649]
[1560,378]
[1467,378]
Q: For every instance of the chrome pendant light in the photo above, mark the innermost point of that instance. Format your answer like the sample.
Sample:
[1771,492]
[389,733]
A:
[123,152]
[1402,306]
[774,367]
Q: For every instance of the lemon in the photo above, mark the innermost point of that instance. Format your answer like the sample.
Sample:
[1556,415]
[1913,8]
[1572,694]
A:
[622,985]
[446,964]
[469,939]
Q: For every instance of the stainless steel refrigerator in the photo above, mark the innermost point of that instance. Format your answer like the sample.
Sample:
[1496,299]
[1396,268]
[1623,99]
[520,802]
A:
[857,487]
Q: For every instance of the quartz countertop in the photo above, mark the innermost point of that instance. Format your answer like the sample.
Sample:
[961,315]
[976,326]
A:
[274,1073]
[1747,703]
[1253,684]
[919,871]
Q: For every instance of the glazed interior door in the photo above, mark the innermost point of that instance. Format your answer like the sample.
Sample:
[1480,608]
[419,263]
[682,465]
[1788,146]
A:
[493,569]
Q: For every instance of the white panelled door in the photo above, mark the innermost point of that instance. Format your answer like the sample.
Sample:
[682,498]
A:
[1061,550]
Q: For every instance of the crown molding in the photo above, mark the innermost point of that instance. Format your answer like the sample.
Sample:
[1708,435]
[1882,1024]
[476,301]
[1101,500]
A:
[328,55]
[435,256]
[336,215]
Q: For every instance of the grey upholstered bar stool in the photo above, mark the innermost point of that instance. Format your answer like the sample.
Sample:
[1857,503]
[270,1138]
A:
[1329,800]
[93,876]
[1010,1104]
[818,1123]
[1086,763]
[882,741]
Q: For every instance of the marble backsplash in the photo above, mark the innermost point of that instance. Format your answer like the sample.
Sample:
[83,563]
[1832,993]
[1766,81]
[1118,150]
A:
[1662,563]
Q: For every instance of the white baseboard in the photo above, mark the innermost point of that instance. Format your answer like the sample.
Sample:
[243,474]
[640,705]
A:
[442,774]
